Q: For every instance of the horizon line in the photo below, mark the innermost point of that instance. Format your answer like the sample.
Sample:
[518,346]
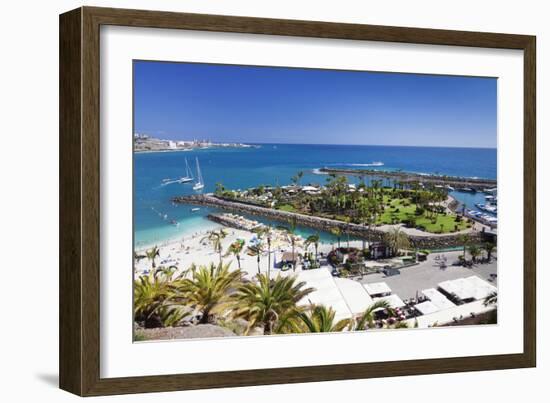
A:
[369,145]
[323,144]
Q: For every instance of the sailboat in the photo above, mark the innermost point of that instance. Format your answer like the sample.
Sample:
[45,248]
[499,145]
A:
[188,176]
[200,183]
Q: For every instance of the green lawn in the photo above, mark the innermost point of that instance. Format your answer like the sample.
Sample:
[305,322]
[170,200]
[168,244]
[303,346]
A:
[286,207]
[402,209]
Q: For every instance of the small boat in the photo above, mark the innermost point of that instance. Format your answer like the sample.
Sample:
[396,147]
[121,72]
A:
[199,185]
[449,187]
[470,190]
[188,175]
[174,222]
[487,207]
[195,209]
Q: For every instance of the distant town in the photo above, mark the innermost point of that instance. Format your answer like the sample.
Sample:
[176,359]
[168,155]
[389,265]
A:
[146,143]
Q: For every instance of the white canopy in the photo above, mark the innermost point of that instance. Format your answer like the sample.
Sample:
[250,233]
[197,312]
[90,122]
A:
[468,288]
[426,307]
[447,315]
[356,297]
[437,299]
[346,297]
[375,289]
[326,292]
[309,188]
[393,301]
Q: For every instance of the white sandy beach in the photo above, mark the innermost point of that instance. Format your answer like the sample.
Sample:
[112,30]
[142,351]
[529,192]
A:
[187,250]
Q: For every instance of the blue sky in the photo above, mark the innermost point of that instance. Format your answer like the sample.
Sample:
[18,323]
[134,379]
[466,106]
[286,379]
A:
[281,105]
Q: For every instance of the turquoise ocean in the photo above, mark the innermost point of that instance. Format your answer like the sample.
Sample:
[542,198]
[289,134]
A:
[240,168]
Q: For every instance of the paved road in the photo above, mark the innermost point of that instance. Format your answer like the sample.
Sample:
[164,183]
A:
[428,274]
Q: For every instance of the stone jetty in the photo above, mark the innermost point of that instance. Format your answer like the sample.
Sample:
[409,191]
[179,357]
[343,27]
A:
[427,241]
[458,182]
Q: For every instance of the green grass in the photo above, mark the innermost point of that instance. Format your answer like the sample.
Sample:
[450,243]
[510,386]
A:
[286,207]
[402,209]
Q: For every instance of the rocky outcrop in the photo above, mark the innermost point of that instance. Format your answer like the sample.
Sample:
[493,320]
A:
[427,241]
[184,332]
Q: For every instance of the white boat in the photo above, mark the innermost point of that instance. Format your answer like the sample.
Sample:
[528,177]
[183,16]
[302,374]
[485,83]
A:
[487,207]
[188,175]
[195,209]
[200,183]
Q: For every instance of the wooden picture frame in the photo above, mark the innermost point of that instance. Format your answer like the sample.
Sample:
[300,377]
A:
[80,199]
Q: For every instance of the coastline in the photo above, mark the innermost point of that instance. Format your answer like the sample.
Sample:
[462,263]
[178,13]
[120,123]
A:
[170,150]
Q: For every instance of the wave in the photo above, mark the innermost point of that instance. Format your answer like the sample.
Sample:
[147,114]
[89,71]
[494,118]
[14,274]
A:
[356,164]
[372,164]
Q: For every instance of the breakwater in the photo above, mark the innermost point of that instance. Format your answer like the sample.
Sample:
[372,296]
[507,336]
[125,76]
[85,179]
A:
[427,241]
[410,178]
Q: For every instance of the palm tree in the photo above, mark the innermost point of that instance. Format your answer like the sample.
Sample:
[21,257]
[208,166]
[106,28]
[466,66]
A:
[491,299]
[296,178]
[474,251]
[375,184]
[337,232]
[138,257]
[256,250]
[236,248]
[208,289]
[489,248]
[465,241]
[366,320]
[299,175]
[219,189]
[291,231]
[397,240]
[153,293]
[347,219]
[152,254]
[319,319]
[267,302]
[314,240]
[215,238]
[267,231]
